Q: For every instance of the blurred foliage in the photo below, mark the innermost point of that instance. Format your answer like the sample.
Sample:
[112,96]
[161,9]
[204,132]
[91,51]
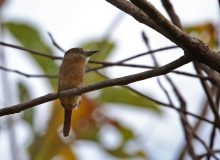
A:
[30,38]
[24,95]
[88,119]
[2,2]
[105,48]
[206,32]
[50,144]
[124,96]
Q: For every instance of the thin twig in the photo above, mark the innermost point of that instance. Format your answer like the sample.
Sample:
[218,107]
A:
[206,154]
[219,5]
[170,10]
[213,107]
[196,126]
[213,132]
[175,19]
[30,51]
[149,52]
[55,43]
[214,76]
[93,69]
[185,124]
[27,75]
[209,150]
[60,58]
[105,64]
[146,41]
[108,64]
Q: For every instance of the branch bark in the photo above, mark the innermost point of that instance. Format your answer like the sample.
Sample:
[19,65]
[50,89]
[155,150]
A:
[173,16]
[92,87]
[145,13]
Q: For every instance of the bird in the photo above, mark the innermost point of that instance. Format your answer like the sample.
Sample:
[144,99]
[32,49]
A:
[72,75]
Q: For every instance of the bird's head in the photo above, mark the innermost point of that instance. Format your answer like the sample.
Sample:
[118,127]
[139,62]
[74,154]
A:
[80,52]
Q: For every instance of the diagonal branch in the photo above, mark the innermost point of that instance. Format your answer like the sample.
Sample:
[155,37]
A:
[55,43]
[192,46]
[92,87]
[170,10]
[195,47]
[52,96]
[208,93]
[146,41]
[147,53]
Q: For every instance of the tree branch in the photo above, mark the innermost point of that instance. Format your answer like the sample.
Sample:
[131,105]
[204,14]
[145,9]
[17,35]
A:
[147,53]
[92,87]
[208,93]
[60,58]
[104,64]
[55,43]
[183,116]
[192,46]
[109,64]
[171,12]
[196,126]
[30,51]
[27,75]
[147,43]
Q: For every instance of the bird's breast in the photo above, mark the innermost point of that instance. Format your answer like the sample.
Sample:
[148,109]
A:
[71,73]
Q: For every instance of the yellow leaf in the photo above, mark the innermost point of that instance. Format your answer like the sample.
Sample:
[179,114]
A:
[206,32]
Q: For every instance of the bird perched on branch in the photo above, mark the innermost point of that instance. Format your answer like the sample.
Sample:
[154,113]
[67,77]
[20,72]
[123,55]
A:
[72,75]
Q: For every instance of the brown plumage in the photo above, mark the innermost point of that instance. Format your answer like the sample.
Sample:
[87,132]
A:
[72,75]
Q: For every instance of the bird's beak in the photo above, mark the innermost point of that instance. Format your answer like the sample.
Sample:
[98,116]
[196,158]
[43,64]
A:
[89,53]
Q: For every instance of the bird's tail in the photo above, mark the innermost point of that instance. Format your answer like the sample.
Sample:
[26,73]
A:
[67,122]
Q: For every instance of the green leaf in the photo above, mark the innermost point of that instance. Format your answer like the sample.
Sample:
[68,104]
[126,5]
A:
[105,48]
[124,96]
[24,95]
[48,147]
[28,116]
[121,153]
[29,36]
[90,134]
[23,92]
[126,133]
[92,77]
